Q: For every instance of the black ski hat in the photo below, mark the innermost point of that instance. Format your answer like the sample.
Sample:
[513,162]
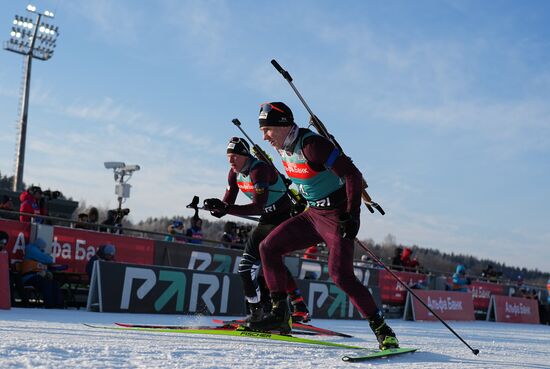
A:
[239,146]
[275,114]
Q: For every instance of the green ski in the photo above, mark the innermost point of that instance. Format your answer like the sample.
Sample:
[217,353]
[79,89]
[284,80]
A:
[379,354]
[240,332]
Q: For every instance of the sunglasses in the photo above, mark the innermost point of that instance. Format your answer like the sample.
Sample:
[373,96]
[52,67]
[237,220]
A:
[267,107]
[236,140]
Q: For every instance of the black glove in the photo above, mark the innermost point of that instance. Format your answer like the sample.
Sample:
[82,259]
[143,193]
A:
[348,226]
[217,207]
[218,213]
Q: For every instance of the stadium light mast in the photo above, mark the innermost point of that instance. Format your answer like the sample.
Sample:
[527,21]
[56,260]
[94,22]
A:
[32,39]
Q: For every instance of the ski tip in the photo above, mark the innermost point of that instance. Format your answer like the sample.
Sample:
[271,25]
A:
[379,354]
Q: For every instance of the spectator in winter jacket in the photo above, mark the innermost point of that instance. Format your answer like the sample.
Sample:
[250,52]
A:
[460,281]
[35,273]
[396,260]
[195,231]
[312,252]
[229,235]
[104,252]
[176,231]
[7,203]
[30,203]
[491,274]
[406,260]
[93,219]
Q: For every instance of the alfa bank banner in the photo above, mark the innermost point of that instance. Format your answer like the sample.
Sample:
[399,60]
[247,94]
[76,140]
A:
[19,234]
[508,309]
[448,305]
[482,292]
[391,291]
[74,247]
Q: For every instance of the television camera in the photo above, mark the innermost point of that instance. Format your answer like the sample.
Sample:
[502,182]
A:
[122,174]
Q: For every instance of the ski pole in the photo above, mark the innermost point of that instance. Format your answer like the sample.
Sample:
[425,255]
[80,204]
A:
[324,132]
[377,260]
[195,206]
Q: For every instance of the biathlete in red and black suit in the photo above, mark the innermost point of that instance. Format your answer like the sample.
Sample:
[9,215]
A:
[332,185]
[265,187]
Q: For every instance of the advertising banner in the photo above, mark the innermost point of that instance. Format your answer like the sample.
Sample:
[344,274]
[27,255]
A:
[448,305]
[508,309]
[5,299]
[325,300]
[197,257]
[74,247]
[137,288]
[19,234]
[482,292]
[318,270]
[392,292]
[118,287]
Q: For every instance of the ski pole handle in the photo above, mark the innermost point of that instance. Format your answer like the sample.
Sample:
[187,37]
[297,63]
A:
[285,74]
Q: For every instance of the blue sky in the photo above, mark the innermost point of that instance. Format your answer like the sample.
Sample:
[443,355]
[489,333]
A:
[444,106]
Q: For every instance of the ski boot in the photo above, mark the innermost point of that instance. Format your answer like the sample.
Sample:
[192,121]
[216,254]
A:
[384,334]
[256,312]
[300,313]
[278,319]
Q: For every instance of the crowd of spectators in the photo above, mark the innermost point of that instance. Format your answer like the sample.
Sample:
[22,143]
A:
[403,260]
[491,274]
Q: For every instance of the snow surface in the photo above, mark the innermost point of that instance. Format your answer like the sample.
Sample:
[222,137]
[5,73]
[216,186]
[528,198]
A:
[38,338]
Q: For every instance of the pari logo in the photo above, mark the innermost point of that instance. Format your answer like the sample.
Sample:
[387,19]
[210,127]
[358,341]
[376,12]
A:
[318,298]
[203,260]
[148,281]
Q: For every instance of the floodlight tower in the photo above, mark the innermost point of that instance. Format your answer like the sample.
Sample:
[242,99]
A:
[33,39]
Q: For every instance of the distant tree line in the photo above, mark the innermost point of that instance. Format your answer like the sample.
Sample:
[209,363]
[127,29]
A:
[438,262]
[6,182]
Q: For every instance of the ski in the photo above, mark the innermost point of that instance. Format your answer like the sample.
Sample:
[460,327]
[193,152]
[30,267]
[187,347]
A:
[207,327]
[156,326]
[239,332]
[301,327]
[379,354]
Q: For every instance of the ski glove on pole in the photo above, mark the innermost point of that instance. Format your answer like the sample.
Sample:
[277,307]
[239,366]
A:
[348,226]
[217,207]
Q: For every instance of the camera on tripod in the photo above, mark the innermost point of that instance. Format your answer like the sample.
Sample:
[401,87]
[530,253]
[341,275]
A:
[122,174]
[117,215]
